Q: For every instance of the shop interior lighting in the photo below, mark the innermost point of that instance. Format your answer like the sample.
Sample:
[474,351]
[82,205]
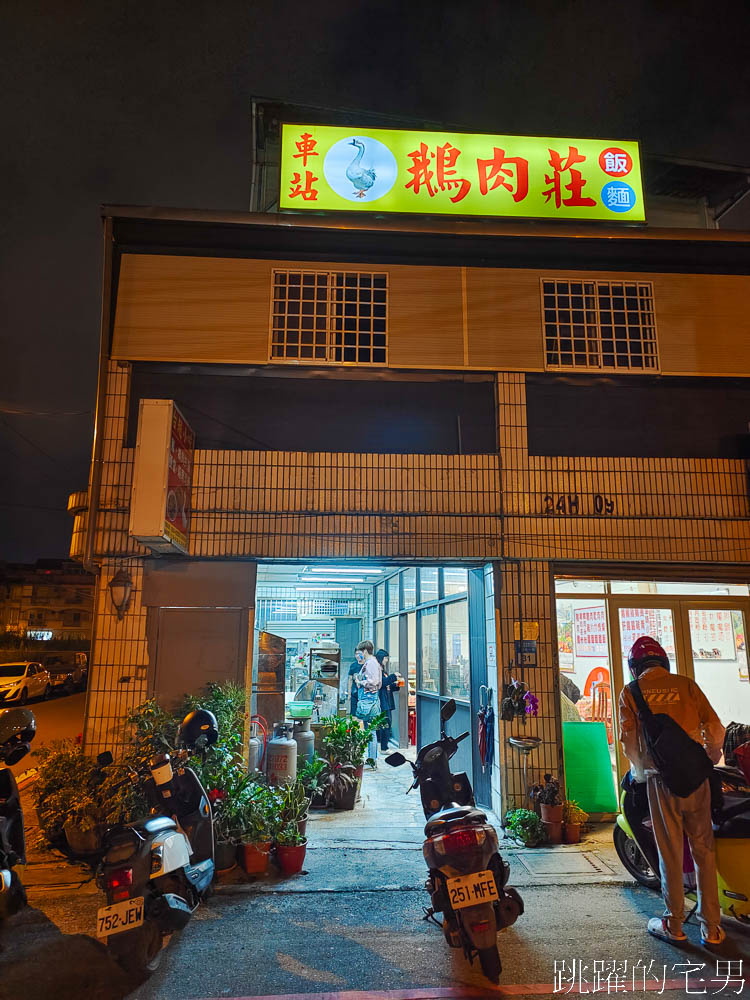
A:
[302,587]
[340,570]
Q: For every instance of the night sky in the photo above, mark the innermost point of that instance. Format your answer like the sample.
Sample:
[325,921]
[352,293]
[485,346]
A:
[139,103]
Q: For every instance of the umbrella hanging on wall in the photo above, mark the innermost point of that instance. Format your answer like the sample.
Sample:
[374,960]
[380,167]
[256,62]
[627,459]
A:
[486,728]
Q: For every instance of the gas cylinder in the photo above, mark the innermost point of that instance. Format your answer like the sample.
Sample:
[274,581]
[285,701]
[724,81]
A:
[254,746]
[305,740]
[281,755]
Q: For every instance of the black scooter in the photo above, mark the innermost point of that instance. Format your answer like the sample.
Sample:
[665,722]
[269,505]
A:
[156,871]
[17,730]
[467,876]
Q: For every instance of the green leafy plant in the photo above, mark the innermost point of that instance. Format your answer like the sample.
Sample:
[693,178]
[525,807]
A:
[339,781]
[259,813]
[526,826]
[547,794]
[312,775]
[572,813]
[294,802]
[289,836]
[345,741]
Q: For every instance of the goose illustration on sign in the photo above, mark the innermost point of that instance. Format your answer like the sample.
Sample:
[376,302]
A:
[359,167]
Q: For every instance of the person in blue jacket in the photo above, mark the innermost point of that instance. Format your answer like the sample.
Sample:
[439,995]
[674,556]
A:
[387,701]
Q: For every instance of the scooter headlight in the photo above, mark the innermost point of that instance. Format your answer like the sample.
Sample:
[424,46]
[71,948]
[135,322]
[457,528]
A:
[157,859]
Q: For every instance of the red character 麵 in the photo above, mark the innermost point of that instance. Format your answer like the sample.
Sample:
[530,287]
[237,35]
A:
[560,167]
[496,170]
[307,192]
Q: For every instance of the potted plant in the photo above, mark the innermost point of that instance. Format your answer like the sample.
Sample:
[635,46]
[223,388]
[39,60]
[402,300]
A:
[258,820]
[290,849]
[84,826]
[524,825]
[518,701]
[312,776]
[550,804]
[294,805]
[573,819]
[345,742]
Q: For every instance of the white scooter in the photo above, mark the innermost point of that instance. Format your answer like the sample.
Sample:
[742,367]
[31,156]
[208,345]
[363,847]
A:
[156,871]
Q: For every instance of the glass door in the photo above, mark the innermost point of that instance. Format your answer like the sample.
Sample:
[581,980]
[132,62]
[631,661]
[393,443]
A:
[718,655]
[629,619]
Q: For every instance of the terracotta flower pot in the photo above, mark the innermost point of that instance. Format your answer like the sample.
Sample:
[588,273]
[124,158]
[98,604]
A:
[302,825]
[255,858]
[572,833]
[554,832]
[551,814]
[359,773]
[291,857]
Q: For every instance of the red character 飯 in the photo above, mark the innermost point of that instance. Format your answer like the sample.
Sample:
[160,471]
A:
[306,146]
[306,191]
[560,167]
[500,170]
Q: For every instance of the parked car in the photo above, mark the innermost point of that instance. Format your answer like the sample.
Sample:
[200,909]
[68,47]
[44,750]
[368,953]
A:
[68,671]
[21,681]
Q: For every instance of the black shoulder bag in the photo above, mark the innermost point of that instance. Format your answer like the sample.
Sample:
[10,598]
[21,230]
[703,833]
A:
[683,764]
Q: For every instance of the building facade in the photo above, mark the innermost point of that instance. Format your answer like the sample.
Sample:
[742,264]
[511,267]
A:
[548,407]
[47,605]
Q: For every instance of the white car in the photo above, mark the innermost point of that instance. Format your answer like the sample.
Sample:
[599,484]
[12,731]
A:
[21,681]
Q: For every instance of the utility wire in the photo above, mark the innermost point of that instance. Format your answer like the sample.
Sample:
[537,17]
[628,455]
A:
[28,441]
[19,412]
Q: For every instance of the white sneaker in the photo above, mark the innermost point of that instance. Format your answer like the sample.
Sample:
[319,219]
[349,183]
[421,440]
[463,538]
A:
[658,927]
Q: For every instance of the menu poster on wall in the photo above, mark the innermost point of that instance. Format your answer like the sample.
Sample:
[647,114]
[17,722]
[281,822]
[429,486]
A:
[712,635]
[565,637]
[656,622]
[591,632]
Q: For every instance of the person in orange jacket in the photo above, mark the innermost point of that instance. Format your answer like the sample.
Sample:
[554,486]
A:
[672,815]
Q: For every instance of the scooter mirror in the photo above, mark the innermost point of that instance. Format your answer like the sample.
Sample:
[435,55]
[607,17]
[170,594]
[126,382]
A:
[104,759]
[395,759]
[16,753]
[448,710]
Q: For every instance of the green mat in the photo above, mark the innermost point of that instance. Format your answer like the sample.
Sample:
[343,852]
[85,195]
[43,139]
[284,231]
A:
[588,769]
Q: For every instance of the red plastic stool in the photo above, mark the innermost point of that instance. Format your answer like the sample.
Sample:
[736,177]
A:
[412,727]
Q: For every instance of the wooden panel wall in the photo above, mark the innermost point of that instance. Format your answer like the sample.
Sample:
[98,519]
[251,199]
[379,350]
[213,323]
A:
[202,309]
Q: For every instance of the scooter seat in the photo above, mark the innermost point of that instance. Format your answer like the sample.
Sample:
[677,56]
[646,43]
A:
[441,820]
[155,824]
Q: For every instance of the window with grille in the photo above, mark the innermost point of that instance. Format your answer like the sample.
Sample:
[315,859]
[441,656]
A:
[277,610]
[597,325]
[336,317]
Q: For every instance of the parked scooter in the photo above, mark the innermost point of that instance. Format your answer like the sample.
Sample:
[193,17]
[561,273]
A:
[156,871]
[636,846]
[17,730]
[467,876]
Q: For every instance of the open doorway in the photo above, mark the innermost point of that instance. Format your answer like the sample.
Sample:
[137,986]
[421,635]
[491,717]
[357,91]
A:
[422,616]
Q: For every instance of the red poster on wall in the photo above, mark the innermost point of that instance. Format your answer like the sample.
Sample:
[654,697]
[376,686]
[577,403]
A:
[179,481]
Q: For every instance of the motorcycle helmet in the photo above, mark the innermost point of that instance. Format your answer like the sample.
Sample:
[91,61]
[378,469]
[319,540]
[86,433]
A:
[199,729]
[645,652]
[17,730]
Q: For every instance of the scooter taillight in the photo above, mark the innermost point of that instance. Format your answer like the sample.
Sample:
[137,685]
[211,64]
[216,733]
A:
[460,840]
[117,883]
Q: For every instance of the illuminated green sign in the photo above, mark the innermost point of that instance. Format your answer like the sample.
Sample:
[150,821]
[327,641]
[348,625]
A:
[330,168]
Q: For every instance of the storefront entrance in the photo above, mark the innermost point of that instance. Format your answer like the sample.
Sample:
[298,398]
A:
[701,626]
[430,619]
